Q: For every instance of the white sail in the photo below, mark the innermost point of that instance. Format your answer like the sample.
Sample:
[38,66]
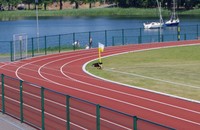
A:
[159,24]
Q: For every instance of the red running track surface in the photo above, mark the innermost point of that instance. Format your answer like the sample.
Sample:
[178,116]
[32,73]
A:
[63,73]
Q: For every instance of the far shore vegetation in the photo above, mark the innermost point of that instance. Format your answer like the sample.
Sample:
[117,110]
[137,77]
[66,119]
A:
[121,12]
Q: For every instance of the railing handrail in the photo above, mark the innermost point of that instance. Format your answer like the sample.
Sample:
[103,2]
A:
[98,105]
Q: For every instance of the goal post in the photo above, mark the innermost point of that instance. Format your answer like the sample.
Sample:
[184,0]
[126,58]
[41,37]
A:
[19,49]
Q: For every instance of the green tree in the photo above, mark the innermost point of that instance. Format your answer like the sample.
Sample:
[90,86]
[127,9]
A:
[28,2]
[46,2]
[76,3]
[12,4]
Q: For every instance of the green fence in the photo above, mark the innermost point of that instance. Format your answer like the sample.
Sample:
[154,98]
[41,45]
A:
[46,109]
[64,42]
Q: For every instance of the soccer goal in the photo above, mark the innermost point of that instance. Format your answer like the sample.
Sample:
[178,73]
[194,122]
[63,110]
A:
[19,49]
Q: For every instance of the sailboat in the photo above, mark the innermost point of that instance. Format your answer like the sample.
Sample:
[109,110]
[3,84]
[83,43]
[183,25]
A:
[174,20]
[154,25]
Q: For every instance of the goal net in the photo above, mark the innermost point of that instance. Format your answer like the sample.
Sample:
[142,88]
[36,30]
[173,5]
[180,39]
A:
[19,46]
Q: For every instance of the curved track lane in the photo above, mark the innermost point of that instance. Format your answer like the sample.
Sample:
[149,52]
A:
[63,72]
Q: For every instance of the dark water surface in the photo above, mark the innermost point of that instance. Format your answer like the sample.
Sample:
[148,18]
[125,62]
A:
[64,25]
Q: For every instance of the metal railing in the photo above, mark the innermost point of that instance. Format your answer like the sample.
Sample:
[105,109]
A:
[46,109]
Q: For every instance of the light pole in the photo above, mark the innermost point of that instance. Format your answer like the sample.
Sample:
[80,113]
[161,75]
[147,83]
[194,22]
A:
[38,34]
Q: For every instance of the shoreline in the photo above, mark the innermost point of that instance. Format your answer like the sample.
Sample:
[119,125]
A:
[110,12]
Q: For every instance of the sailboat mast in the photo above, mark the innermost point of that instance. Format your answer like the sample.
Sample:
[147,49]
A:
[159,9]
[174,20]
[174,6]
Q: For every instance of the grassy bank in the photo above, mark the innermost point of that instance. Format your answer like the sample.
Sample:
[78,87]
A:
[174,70]
[130,12]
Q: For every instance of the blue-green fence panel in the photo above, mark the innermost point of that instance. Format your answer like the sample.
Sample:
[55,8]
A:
[4,47]
[98,36]
[148,125]
[150,38]
[55,110]
[192,31]
[113,33]
[117,40]
[39,46]
[112,120]
[5,51]
[32,104]
[133,32]
[12,96]
[191,36]
[66,41]
[82,38]
[172,37]
[52,44]
[82,114]
[30,47]
[131,39]
[57,43]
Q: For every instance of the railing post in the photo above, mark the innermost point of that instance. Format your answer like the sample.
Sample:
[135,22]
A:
[98,117]
[185,37]
[68,112]
[159,35]
[113,38]
[3,94]
[74,41]
[122,36]
[140,37]
[89,36]
[42,108]
[32,47]
[11,51]
[135,122]
[59,43]
[21,102]
[45,44]
[197,31]
[106,38]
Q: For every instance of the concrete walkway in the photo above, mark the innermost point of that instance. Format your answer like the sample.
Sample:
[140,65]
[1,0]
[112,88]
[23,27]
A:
[9,123]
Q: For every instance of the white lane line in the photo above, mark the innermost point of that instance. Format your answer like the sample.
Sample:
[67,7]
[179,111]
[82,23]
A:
[56,83]
[100,87]
[113,90]
[5,64]
[156,79]
[110,97]
[126,94]
[123,93]
[120,101]
[46,58]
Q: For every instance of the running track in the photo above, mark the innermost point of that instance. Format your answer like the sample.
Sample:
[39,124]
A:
[63,72]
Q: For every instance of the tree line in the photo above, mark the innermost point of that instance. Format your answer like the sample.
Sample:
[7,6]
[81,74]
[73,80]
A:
[181,4]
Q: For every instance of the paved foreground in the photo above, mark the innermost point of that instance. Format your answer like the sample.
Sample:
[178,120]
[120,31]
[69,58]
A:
[9,123]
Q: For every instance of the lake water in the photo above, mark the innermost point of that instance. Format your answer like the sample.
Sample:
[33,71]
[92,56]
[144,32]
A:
[64,25]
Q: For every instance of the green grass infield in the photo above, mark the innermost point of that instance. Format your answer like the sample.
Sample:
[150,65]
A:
[173,71]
